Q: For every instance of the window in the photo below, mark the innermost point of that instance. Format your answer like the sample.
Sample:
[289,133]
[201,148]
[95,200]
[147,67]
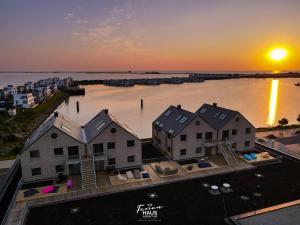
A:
[58,151]
[199,135]
[183,137]
[197,123]
[159,141]
[183,152]
[98,148]
[59,168]
[169,149]
[247,143]
[208,136]
[113,130]
[248,130]
[36,171]
[54,135]
[234,132]
[34,154]
[237,119]
[198,150]
[168,113]
[130,158]
[73,150]
[112,161]
[110,145]
[130,143]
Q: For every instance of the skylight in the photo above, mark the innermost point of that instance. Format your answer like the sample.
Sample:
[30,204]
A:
[66,119]
[203,110]
[161,125]
[66,128]
[100,125]
[178,117]
[183,119]
[171,131]
[168,113]
[157,122]
[223,116]
[216,114]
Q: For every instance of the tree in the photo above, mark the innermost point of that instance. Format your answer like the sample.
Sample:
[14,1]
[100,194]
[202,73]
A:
[283,122]
[298,119]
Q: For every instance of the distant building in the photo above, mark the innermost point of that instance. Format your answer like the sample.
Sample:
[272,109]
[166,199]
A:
[181,134]
[24,100]
[29,86]
[11,89]
[2,105]
[38,95]
[46,91]
[21,90]
[60,146]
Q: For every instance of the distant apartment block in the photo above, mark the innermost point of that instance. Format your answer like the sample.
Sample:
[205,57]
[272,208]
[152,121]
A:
[60,146]
[181,134]
[24,100]
[10,89]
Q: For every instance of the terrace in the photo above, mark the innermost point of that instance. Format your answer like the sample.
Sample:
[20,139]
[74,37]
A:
[186,202]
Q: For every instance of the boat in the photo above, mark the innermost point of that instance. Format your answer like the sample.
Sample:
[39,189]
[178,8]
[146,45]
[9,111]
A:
[297,84]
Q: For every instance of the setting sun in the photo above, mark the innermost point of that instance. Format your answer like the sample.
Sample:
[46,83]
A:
[278,54]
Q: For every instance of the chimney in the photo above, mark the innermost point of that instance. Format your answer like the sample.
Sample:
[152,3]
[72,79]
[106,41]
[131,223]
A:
[178,106]
[106,111]
[55,114]
[215,104]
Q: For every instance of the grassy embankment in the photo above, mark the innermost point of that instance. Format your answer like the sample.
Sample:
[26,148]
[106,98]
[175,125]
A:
[15,130]
[292,126]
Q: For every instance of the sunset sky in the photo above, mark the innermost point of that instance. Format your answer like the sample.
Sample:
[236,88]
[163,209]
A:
[203,35]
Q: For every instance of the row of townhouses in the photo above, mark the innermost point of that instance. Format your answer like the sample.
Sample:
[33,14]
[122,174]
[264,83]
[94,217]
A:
[30,94]
[60,146]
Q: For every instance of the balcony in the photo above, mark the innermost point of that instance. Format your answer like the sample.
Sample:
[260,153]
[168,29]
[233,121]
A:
[73,159]
[99,156]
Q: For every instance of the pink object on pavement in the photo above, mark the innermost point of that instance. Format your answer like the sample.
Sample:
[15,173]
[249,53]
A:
[69,184]
[47,189]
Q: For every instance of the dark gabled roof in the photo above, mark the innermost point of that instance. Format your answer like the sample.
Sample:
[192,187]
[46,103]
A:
[174,119]
[102,120]
[60,122]
[217,117]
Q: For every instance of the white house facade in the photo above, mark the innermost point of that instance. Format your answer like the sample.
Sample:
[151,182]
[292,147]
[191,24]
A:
[62,147]
[181,134]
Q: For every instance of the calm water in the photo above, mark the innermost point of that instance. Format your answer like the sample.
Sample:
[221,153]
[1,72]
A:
[262,101]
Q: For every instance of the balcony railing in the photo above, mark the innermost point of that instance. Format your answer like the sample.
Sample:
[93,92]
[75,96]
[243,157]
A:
[73,158]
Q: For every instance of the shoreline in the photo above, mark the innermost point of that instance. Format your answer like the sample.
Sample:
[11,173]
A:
[191,78]
[21,126]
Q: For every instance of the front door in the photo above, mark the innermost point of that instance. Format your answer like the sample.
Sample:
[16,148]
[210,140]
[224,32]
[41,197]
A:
[74,169]
[99,165]
[208,151]
[225,134]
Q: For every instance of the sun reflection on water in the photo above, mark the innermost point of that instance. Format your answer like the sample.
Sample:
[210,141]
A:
[273,102]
